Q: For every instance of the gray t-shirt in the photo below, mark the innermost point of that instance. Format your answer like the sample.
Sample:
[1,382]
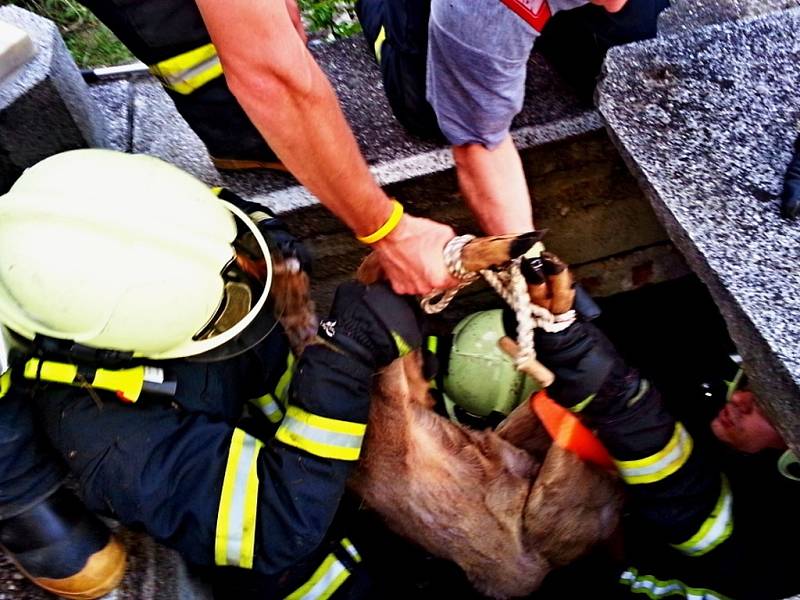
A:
[477,56]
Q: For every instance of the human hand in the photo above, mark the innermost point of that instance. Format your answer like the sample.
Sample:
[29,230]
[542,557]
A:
[412,256]
[577,353]
[297,21]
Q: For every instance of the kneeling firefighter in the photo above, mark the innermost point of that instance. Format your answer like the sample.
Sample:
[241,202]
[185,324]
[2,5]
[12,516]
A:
[150,359]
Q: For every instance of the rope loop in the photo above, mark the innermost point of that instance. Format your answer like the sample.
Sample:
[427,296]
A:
[436,302]
[510,284]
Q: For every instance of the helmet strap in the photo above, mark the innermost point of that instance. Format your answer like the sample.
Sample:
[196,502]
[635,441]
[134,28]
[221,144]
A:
[72,352]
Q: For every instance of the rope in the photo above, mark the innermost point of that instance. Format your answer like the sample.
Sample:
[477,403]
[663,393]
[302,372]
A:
[510,284]
[452,259]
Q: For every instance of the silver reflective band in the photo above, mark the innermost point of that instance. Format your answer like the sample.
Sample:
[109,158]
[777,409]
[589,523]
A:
[328,578]
[187,77]
[660,465]
[715,529]
[236,520]
[321,436]
[655,588]
[189,71]
[351,550]
[269,407]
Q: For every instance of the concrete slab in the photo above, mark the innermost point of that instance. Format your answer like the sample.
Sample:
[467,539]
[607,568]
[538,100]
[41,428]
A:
[706,123]
[114,101]
[686,15]
[16,48]
[48,96]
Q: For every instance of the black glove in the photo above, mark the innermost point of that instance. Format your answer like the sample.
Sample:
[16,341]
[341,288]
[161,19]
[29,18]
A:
[585,364]
[372,323]
[275,231]
[790,198]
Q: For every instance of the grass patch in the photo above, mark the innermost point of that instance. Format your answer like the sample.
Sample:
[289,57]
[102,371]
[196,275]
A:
[91,43]
[331,19]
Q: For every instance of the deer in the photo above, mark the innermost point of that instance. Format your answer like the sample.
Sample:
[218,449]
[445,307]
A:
[506,505]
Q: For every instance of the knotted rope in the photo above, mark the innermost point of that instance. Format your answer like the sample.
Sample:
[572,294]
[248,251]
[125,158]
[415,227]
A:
[510,284]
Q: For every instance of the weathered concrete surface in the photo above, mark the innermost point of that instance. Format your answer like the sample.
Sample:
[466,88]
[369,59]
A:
[686,15]
[114,101]
[706,122]
[45,106]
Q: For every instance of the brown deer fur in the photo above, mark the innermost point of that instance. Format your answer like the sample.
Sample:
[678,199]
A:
[507,506]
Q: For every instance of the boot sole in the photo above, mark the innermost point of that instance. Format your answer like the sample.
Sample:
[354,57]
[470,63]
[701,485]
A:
[102,573]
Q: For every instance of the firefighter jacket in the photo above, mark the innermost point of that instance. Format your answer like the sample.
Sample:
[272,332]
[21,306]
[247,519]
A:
[244,465]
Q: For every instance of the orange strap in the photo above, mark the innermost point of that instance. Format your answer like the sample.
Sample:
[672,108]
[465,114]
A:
[568,432]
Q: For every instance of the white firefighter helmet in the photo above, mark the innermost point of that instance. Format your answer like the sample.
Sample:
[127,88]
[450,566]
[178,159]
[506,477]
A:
[480,377]
[121,252]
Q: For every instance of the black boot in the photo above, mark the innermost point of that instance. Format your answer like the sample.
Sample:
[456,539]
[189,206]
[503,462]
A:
[64,548]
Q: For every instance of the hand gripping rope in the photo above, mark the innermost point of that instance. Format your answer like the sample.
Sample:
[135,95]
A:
[510,284]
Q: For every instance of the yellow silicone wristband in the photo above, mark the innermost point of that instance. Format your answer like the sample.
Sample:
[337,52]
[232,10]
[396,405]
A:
[386,228]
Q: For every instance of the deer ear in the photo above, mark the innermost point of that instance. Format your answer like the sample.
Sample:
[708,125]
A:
[494,251]
[370,270]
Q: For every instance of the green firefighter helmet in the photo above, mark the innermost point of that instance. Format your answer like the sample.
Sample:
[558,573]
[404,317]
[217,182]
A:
[480,377]
[124,253]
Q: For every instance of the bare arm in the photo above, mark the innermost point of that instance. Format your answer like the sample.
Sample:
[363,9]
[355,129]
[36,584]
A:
[291,102]
[494,186]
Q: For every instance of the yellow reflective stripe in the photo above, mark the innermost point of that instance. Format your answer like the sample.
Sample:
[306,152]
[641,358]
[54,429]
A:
[328,578]
[216,190]
[402,346]
[234,542]
[189,71]
[351,549]
[715,529]
[129,382]
[5,382]
[432,343]
[660,465]
[285,380]
[50,371]
[657,588]
[378,46]
[270,407]
[321,436]
[582,404]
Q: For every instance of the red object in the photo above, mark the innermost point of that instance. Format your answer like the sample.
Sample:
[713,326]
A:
[535,12]
[568,432]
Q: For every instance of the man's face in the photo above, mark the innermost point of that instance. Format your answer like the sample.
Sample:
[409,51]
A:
[741,424]
[611,6]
